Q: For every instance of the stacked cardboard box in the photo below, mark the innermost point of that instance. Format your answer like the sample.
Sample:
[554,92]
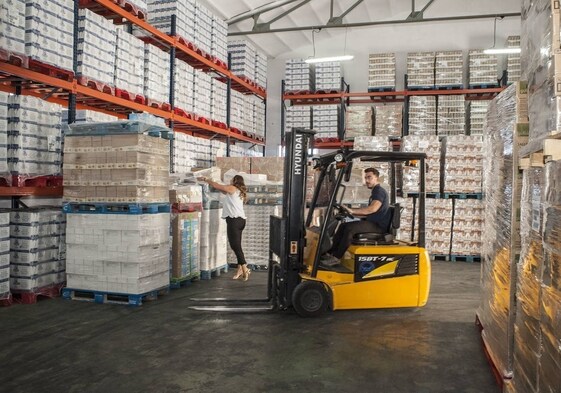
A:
[381,71]
[482,69]
[237,109]
[449,70]
[358,121]
[469,221]
[249,114]
[4,254]
[326,121]
[203,28]
[161,11]
[420,69]
[37,248]
[49,31]
[513,65]
[261,69]
[259,110]
[298,76]
[389,120]
[156,69]
[328,76]
[463,164]
[202,94]
[298,116]
[219,93]
[184,86]
[87,116]
[451,115]
[97,42]
[214,239]
[477,115]
[219,44]
[243,56]
[432,147]
[4,102]
[422,115]
[129,63]
[33,138]
[12,25]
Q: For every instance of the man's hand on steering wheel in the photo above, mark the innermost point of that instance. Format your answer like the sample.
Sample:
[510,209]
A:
[344,210]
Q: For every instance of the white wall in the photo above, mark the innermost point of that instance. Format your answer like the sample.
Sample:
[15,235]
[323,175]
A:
[458,35]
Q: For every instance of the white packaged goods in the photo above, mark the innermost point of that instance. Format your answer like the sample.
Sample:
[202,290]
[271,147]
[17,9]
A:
[4,100]
[192,152]
[369,143]
[214,240]
[420,69]
[463,164]
[482,69]
[156,71]
[469,221]
[49,31]
[129,63]
[501,240]
[242,58]
[129,168]
[186,243]
[261,69]
[237,115]
[12,26]
[298,75]
[87,116]
[513,66]
[97,41]
[37,247]
[451,115]
[118,253]
[328,76]
[184,89]
[477,115]
[161,11]
[432,147]
[219,45]
[388,120]
[4,253]
[381,70]
[358,121]
[326,121]
[218,101]
[34,137]
[422,115]
[202,32]
[202,94]
[449,69]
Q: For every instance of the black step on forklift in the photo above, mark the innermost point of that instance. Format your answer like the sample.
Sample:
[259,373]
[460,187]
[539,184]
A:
[377,271]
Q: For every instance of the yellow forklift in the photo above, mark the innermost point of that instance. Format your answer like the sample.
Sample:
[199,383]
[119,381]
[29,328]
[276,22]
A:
[378,271]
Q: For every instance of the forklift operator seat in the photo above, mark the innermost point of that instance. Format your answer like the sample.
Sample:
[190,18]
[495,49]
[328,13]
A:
[375,239]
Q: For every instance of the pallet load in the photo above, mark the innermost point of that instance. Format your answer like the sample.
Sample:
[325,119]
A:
[422,115]
[388,120]
[202,32]
[381,71]
[259,117]
[359,121]
[477,115]
[242,54]
[219,44]
[328,76]
[298,76]
[5,296]
[218,101]
[513,64]
[202,94]
[482,69]
[4,101]
[87,116]
[237,114]
[129,63]
[420,70]
[33,145]
[184,86]
[449,69]
[160,13]
[116,178]
[463,164]
[469,221]
[298,117]
[432,147]
[503,137]
[37,252]
[451,115]
[261,69]
[156,69]
[12,26]
[326,121]
[214,239]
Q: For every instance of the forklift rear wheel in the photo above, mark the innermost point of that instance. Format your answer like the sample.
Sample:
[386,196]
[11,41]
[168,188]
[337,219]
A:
[310,299]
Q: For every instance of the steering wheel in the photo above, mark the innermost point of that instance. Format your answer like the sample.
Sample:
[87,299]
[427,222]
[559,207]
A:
[342,212]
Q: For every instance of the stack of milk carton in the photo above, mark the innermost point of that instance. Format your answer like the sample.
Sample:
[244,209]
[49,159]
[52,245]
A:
[219,44]
[12,25]
[482,69]
[449,69]
[422,115]
[184,86]
[4,254]
[203,28]
[156,73]
[202,94]
[298,75]
[218,101]
[261,69]
[451,115]
[328,76]
[325,120]
[129,63]
[161,11]
[243,58]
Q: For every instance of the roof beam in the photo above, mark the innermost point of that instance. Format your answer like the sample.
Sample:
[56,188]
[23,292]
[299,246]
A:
[258,10]
[266,26]
[380,23]
[338,20]
[418,15]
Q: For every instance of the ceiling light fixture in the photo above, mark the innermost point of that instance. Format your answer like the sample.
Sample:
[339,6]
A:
[315,59]
[500,51]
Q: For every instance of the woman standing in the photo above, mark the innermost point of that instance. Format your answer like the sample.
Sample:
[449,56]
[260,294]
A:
[233,212]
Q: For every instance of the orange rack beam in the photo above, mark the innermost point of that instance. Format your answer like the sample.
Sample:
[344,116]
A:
[31,191]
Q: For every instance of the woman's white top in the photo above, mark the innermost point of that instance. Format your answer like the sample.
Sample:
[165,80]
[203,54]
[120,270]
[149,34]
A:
[233,205]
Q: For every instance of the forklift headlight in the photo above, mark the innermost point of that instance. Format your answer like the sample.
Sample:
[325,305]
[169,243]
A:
[339,158]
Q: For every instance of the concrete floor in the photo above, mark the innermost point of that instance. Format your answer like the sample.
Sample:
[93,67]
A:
[69,346]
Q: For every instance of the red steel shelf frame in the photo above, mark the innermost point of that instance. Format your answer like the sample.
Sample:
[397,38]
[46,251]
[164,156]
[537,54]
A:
[55,192]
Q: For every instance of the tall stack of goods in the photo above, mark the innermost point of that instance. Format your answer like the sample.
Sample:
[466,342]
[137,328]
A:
[463,164]
[298,117]
[505,131]
[242,54]
[388,120]
[451,115]
[259,110]
[214,238]
[359,121]
[513,64]
[116,180]
[237,114]
[202,94]
[449,69]
[218,101]
[37,250]
[160,13]
[261,69]
[381,71]
[156,65]
[326,121]
[129,63]
[203,28]
[184,86]
[482,69]
[328,76]
[298,76]
[4,101]
[469,221]
[432,147]
[422,115]
[219,44]
[87,116]
[420,70]
[4,256]
[13,27]
[477,115]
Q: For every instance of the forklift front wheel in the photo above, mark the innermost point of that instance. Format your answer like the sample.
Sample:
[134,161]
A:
[310,299]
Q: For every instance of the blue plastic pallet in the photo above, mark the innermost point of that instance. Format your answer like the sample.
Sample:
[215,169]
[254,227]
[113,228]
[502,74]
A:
[449,87]
[434,195]
[484,86]
[420,87]
[216,272]
[176,283]
[101,297]
[120,128]
[465,258]
[460,195]
[116,208]
[381,89]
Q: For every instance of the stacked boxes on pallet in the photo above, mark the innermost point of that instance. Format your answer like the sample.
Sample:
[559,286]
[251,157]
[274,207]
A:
[422,115]
[356,192]
[156,71]
[463,164]
[129,63]
[249,114]
[202,94]
[12,25]
[420,70]
[237,115]
[326,120]
[389,120]
[87,116]
[112,168]
[219,44]
[501,240]
[242,58]
[449,69]
[451,115]
[469,217]
[218,101]
[37,248]
[4,102]
[261,69]
[298,75]
[328,76]
[298,117]
[203,28]
[381,71]
[34,137]
[49,31]
[97,41]
[4,254]
[482,69]
[359,121]
[184,86]
[161,11]
[214,239]
[477,115]
[432,147]
[513,64]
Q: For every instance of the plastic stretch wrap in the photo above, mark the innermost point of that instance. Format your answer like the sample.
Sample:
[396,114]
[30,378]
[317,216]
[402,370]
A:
[432,147]
[451,115]
[118,253]
[477,116]
[381,70]
[358,121]
[156,68]
[469,222]
[513,66]
[463,164]
[12,25]
[389,120]
[420,69]
[501,187]
[538,41]
[483,68]
[214,238]
[449,69]
[185,231]
[422,115]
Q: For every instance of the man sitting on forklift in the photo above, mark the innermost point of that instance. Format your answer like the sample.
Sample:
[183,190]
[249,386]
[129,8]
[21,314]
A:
[375,218]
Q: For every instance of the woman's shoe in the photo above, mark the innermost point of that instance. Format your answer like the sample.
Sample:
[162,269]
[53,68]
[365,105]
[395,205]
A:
[246,275]
[239,274]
